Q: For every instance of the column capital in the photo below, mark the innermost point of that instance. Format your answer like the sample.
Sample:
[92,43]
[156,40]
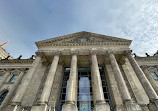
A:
[111,52]
[127,52]
[74,53]
[57,53]
[122,62]
[23,69]
[8,69]
[39,54]
[144,67]
[92,52]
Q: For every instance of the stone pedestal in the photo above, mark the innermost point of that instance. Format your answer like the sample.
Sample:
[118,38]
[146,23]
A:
[101,106]
[43,107]
[12,108]
[145,108]
[69,107]
[119,108]
[132,106]
[152,106]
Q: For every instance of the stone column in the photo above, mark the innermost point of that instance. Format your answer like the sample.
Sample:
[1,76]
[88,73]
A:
[50,78]
[71,104]
[25,83]
[13,89]
[130,105]
[98,95]
[116,95]
[119,78]
[144,81]
[150,78]
[4,78]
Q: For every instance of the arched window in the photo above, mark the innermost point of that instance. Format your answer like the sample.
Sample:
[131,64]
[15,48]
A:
[2,96]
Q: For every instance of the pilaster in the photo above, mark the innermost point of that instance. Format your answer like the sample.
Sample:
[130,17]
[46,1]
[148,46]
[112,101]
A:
[12,90]
[150,78]
[4,78]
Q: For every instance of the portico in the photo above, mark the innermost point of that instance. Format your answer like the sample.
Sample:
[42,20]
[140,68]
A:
[84,72]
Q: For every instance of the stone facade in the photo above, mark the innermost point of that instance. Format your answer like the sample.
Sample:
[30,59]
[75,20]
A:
[36,84]
[4,54]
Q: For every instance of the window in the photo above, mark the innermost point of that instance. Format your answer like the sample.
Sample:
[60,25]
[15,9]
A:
[2,97]
[13,78]
[154,75]
[85,93]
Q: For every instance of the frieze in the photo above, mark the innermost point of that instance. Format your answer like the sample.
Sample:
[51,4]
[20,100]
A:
[98,49]
[81,44]
[146,58]
[17,61]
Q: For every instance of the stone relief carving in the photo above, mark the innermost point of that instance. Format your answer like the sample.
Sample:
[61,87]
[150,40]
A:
[86,39]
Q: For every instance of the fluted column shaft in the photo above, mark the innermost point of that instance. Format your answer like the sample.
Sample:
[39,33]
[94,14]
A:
[23,87]
[73,81]
[96,80]
[49,81]
[150,78]
[13,89]
[144,81]
[4,78]
[119,78]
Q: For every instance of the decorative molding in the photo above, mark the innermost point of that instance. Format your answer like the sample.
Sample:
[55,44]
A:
[152,58]
[14,61]
[81,44]
[111,51]
[143,67]
[83,38]
[122,62]
[57,53]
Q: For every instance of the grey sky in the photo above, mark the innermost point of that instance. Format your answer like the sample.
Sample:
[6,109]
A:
[23,22]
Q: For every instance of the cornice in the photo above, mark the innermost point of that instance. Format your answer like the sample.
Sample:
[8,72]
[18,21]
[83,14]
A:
[14,61]
[81,44]
[151,58]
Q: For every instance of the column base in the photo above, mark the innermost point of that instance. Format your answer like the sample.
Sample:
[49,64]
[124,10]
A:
[145,108]
[12,108]
[156,103]
[69,107]
[152,106]
[119,108]
[101,106]
[43,107]
[132,106]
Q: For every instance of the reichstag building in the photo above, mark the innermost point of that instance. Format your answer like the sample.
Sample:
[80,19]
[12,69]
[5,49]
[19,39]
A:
[82,71]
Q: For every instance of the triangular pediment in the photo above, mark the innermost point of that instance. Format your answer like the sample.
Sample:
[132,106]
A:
[83,38]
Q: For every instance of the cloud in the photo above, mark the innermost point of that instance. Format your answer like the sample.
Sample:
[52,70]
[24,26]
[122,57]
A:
[24,22]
